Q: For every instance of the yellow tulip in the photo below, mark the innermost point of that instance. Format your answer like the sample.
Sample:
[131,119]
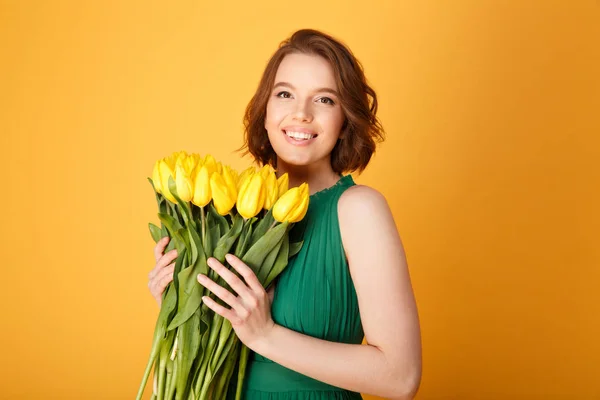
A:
[189,164]
[185,187]
[156,177]
[251,196]
[230,180]
[210,163]
[272,190]
[165,171]
[223,198]
[293,205]
[172,159]
[282,184]
[202,194]
[248,171]
[265,171]
[236,175]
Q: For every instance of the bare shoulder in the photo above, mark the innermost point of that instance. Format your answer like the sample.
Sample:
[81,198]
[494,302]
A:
[361,199]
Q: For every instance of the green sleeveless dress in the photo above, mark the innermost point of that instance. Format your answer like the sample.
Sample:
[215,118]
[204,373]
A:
[315,296]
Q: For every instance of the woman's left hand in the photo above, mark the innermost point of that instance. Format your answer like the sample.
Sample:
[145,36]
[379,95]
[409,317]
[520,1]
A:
[250,312]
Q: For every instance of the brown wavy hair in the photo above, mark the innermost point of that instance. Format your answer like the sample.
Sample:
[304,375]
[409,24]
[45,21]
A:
[361,129]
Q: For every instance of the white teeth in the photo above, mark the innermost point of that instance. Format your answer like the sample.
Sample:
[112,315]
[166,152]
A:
[299,135]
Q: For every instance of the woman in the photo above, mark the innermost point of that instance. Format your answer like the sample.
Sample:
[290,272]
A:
[311,118]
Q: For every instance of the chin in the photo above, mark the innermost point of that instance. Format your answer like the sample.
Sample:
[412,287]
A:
[296,160]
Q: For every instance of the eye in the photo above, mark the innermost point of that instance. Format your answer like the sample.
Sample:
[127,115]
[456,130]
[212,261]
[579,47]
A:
[278,94]
[327,98]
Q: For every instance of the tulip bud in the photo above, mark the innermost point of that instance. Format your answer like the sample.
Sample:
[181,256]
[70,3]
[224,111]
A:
[272,190]
[230,180]
[210,163]
[189,164]
[165,171]
[293,205]
[202,194]
[223,198]
[183,182]
[156,177]
[251,196]
[265,171]
[282,184]
[244,174]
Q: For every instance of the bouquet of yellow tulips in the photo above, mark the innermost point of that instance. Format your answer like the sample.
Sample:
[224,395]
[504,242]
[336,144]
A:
[209,210]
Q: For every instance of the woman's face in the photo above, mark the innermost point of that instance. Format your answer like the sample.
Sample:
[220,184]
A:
[304,115]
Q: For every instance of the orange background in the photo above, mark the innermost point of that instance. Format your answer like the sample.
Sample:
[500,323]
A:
[491,169]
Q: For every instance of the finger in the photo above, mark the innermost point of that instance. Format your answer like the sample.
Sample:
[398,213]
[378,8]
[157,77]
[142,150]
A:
[163,262]
[159,248]
[233,280]
[222,293]
[246,272]
[162,279]
[222,311]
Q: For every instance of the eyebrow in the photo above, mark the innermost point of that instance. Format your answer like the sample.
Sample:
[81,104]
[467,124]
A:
[324,89]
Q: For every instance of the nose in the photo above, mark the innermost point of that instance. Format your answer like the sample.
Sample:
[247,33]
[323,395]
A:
[302,112]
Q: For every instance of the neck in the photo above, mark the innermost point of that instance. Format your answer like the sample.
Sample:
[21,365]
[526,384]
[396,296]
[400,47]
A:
[318,176]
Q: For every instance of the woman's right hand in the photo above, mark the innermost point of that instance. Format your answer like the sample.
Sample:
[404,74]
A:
[162,274]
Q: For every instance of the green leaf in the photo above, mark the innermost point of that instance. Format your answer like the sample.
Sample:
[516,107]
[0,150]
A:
[202,382]
[205,324]
[267,264]
[256,254]
[195,243]
[157,195]
[180,262]
[184,206]
[214,233]
[170,223]
[218,218]
[189,344]
[262,227]
[295,248]
[225,373]
[245,236]
[226,242]
[155,232]
[220,359]
[224,334]
[190,291]
[280,262]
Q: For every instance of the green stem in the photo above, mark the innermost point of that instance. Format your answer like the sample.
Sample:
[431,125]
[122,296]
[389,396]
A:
[171,388]
[161,378]
[146,375]
[204,375]
[223,380]
[203,221]
[245,352]
[170,381]
[272,225]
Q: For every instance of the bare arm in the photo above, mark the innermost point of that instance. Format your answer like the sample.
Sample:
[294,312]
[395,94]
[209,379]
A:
[390,364]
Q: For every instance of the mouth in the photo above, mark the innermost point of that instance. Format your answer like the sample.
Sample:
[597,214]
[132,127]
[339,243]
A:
[299,136]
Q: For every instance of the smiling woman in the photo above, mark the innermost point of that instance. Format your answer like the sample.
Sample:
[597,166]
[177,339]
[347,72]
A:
[314,118]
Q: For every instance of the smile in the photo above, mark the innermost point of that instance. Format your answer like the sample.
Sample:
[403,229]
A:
[299,138]
[299,135]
